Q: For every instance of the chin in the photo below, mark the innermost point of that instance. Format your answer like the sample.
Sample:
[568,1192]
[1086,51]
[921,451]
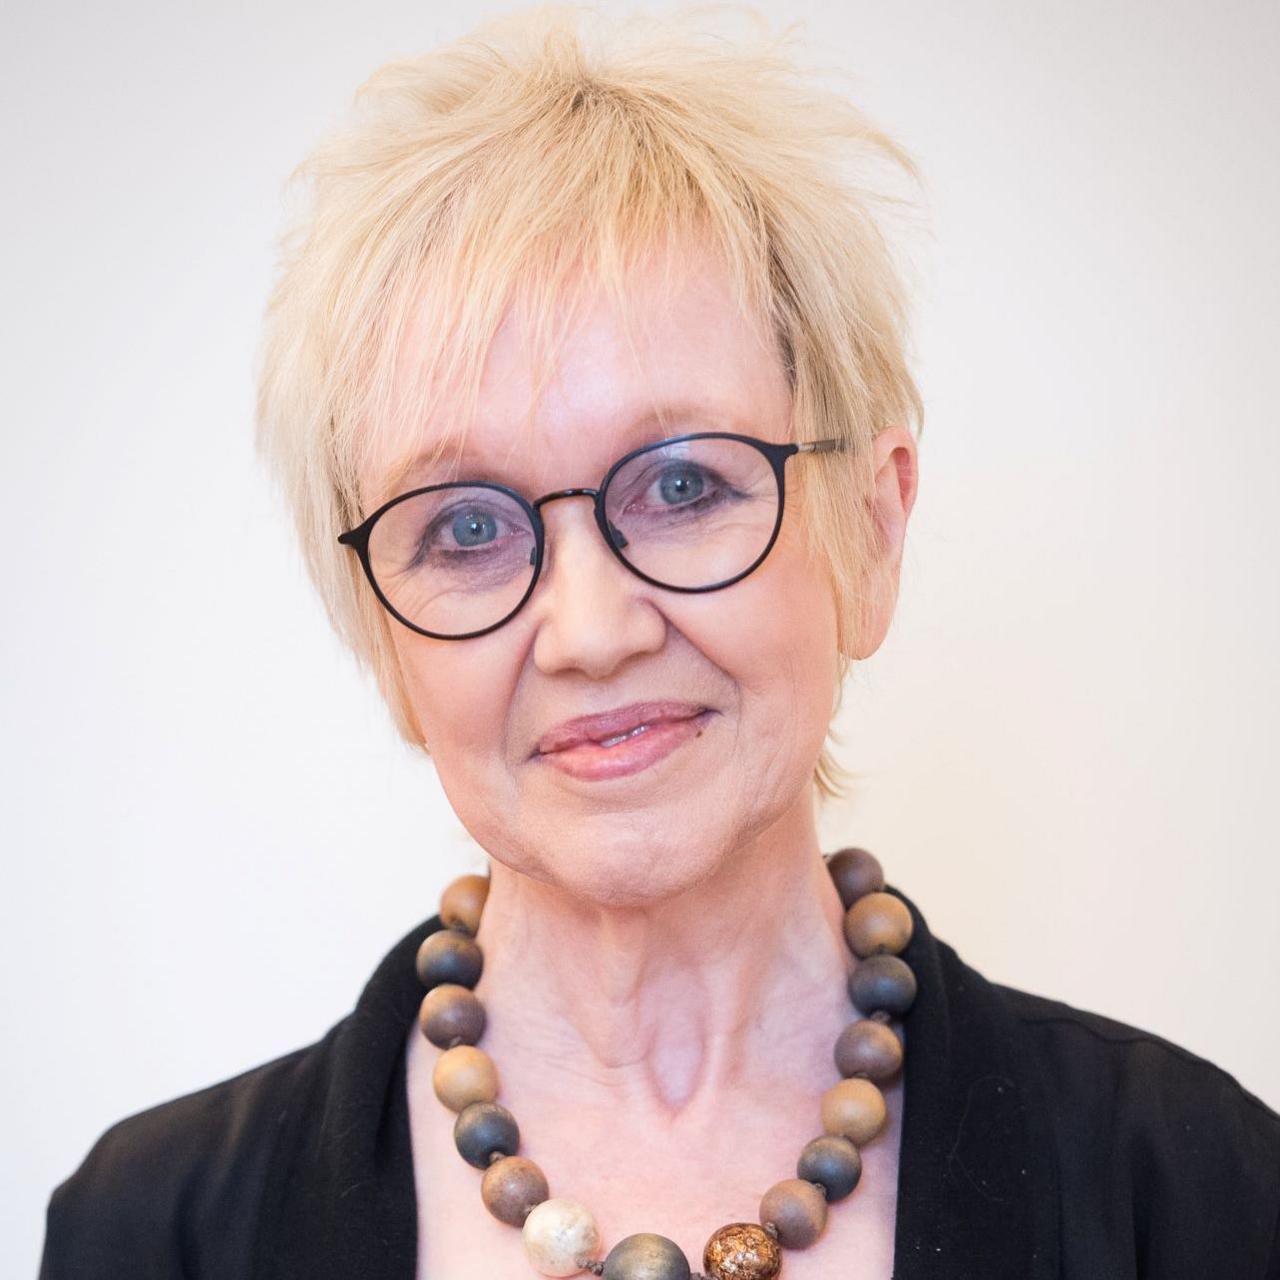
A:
[627,871]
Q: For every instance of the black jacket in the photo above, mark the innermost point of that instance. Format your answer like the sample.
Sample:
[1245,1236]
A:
[1039,1141]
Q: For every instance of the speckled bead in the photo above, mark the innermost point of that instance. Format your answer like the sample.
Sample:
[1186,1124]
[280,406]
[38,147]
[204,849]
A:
[798,1211]
[462,903]
[463,1075]
[483,1128]
[742,1251]
[856,873]
[511,1187]
[449,956]
[882,982]
[646,1256]
[560,1236]
[450,1014]
[868,1048]
[854,1109]
[877,924]
[834,1162]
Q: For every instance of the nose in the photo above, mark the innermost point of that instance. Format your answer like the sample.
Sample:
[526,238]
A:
[591,613]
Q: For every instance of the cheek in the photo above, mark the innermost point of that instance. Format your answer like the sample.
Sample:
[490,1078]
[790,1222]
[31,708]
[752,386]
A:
[458,700]
[775,634]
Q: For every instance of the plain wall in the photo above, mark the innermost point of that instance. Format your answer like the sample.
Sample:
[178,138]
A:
[1067,746]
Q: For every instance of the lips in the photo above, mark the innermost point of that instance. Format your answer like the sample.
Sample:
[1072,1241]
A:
[615,723]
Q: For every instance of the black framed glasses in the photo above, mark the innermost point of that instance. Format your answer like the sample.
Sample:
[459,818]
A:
[691,513]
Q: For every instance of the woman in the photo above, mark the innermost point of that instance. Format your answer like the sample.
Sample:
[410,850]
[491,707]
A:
[585,379]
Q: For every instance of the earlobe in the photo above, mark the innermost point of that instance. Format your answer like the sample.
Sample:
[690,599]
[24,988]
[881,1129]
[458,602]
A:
[876,604]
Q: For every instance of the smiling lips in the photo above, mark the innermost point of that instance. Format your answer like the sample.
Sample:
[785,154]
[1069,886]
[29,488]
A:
[623,740]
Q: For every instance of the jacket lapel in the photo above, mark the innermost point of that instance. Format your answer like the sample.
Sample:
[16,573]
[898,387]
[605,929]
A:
[340,1201]
[977,1182]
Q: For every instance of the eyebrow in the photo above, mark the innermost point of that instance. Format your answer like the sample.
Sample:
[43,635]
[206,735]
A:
[466,463]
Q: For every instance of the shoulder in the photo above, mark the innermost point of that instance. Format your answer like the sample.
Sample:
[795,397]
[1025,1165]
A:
[1091,1059]
[1153,1135]
[175,1182]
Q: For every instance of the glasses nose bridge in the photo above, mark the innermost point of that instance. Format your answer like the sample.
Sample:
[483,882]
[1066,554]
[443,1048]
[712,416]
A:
[593,494]
[613,537]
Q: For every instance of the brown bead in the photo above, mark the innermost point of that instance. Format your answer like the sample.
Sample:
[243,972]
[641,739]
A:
[463,1075]
[742,1251]
[868,1048]
[511,1187]
[854,1109]
[798,1211]
[878,924]
[856,874]
[450,1014]
[462,903]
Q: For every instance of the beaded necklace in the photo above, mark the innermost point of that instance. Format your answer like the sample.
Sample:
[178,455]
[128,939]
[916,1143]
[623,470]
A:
[560,1235]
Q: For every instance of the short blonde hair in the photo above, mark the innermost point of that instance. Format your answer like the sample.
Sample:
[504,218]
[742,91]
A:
[489,171]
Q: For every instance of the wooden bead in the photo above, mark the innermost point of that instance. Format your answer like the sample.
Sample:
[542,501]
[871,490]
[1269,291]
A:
[450,1014]
[854,1109]
[877,924]
[511,1187]
[463,1075]
[742,1251]
[868,1048]
[646,1256]
[856,873]
[798,1211]
[483,1128]
[462,903]
[449,956]
[882,983]
[560,1236]
[834,1162]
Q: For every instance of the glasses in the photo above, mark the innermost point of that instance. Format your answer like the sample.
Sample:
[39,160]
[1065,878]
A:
[691,513]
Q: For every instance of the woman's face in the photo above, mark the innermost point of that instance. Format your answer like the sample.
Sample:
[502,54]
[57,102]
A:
[674,801]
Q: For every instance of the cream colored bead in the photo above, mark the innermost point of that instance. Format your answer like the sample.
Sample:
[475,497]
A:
[557,1234]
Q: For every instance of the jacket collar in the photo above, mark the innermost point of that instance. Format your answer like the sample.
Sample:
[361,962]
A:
[977,1183]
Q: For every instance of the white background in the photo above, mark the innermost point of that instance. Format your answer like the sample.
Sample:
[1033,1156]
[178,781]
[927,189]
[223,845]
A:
[1067,745]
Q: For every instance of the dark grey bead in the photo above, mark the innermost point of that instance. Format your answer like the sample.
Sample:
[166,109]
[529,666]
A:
[646,1256]
[856,873]
[832,1161]
[449,956]
[882,982]
[483,1128]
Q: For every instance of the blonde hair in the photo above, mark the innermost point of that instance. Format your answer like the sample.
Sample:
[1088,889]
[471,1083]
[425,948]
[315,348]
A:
[488,172]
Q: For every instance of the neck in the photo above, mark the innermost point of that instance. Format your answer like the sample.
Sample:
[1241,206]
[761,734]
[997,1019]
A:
[735,984]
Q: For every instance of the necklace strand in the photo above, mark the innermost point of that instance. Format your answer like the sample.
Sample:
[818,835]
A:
[560,1235]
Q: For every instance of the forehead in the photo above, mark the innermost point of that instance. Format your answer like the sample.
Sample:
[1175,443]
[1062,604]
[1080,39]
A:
[679,354]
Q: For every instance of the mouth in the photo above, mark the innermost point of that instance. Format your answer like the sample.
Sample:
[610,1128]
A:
[609,728]
[625,751]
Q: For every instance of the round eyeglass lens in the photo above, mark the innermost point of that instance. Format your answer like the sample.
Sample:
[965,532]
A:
[456,559]
[693,513]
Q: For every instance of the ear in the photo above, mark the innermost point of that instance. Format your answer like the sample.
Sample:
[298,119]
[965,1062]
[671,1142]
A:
[894,463]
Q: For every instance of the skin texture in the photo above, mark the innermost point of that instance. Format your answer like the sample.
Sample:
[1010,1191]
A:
[663,951]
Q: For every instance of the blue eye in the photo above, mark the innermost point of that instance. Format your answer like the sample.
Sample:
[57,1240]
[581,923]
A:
[680,484]
[473,528]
